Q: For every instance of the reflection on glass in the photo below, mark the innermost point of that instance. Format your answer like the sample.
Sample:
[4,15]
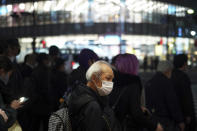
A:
[98,11]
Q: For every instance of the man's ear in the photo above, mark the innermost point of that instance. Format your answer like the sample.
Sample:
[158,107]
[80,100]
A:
[95,78]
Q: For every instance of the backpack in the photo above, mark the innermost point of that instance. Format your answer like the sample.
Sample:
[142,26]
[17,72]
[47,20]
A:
[60,120]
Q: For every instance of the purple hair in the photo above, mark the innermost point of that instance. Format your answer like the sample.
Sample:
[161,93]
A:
[86,55]
[127,63]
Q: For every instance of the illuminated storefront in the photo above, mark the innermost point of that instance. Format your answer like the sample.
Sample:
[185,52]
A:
[142,27]
[79,11]
[108,46]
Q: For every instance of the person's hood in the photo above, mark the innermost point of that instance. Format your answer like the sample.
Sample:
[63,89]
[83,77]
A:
[122,79]
[82,95]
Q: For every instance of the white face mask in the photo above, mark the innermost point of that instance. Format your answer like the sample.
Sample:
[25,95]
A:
[106,88]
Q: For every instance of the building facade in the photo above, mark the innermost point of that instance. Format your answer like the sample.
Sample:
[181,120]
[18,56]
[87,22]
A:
[142,27]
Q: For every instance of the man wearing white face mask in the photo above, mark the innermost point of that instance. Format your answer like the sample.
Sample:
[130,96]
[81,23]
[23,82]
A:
[88,104]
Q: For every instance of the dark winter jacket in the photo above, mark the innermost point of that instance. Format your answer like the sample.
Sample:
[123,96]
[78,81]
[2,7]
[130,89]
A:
[161,98]
[78,75]
[130,102]
[58,88]
[90,112]
[182,86]
[15,84]
[40,93]
[11,113]
[26,70]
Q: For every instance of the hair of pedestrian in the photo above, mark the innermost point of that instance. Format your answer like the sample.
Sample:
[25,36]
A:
[180,60]
[29,57]
[42,57]
[12,42]
[5,64]
[164,66]
[114,59]
[54,50]
[96,69]
[86,55]
[127,63]
[58,63]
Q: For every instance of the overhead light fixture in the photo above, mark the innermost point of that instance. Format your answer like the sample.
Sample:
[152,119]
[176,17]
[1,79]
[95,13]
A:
[22,6]
[190,11]
[193,33]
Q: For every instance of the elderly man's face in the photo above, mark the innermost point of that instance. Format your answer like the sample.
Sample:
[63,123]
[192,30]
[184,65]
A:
[106,75]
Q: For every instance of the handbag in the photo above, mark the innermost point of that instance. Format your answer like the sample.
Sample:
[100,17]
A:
[15,127]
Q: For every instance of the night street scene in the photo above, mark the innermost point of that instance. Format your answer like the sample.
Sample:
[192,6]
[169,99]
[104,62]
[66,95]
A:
[98,65]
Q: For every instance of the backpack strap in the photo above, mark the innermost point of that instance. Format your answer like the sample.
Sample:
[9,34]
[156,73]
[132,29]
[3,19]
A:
[118,99]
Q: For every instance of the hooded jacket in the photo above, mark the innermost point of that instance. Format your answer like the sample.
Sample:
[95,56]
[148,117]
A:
[90,112]
[129,104]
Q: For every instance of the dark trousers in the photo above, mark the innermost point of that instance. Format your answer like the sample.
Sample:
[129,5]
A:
[39,122]
[25,119]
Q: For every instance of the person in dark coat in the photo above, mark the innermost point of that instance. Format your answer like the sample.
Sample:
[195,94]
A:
[28,65]
[88,104]
[40,95]
[8,113]
[127,94]
[26,69]
[54,53]
[182,86]
[161,99]
[15,84]
[86,58]
[58,83]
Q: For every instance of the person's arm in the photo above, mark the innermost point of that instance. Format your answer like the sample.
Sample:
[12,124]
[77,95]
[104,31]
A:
[11,115]
[135,108]
[93,117]
[173,106]
[4,115]
[186,97]
[7,115]
[16,104]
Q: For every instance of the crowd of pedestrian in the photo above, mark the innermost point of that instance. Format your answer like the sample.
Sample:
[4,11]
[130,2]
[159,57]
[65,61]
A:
[99,96]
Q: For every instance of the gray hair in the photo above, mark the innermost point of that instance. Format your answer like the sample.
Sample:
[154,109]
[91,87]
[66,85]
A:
[164,66]
[95,68]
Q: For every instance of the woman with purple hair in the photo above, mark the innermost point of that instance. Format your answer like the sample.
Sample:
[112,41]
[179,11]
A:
[126,96]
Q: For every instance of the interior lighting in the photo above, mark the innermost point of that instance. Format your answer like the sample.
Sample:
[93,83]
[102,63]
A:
[47,6]
[193,33]
[171,45]
[9,8]
[22,6]
[190,11]
[36,5]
